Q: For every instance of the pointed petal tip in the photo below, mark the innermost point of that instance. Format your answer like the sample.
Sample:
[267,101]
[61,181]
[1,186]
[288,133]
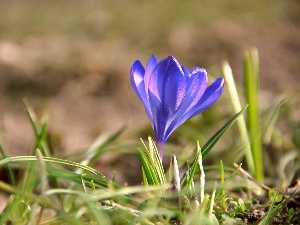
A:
[137,63]
[220,81]
[137,72]
[171,62]
[136,66]
[152,60]
[153,56]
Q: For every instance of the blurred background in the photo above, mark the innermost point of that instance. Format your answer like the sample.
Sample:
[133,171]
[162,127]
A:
[71,59]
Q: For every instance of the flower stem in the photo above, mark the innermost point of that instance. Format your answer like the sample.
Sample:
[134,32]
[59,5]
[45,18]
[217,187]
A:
[160,148]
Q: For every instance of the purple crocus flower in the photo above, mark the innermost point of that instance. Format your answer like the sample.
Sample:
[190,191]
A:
[172,93]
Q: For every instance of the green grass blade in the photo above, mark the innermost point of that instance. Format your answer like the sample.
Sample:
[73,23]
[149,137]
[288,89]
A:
[96,150]
[11,174]
[92,182]
[201,176]
[144,177]
[151,164]
[148,168]
[32,117]
[214,139]
[15,212]
[54,160]
[186,183]
[271,119]
[107,195]
[223,198]
[157,161]
[40,130]
[226,182]
[253,120]
[233,93]
[273,209]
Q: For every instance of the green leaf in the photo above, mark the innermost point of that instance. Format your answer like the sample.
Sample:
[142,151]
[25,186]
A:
[214,139]
[57,161]
[211,143]
[152,169]
[189,174]
[40,130]
[11,174]
[148,168]
[276,197]
[157,161]
[251,74]
[96,150]
[241,123]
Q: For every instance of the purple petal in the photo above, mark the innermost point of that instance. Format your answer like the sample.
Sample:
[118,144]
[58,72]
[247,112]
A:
[171,93]
[210,96]
[167,83]
[149,68]
[196,85]
[158,118]
[175,86]
[167,88]
[137,81]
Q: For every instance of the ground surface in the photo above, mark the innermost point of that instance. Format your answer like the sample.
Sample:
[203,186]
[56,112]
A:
[73,61]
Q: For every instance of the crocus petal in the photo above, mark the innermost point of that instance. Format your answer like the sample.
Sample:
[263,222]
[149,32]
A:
[172,93]
[149,68]
[197,83]
[167,83]
[137,81]
[174,86]
[166,91]
[210,96]
[158,121]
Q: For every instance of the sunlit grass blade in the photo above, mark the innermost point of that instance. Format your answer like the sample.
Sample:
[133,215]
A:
[214,139]
[148,169]
[273,208]
[160,169]
[43,172]
[233,93]
[92,154]
[29,179]
[223,197]
[15,211]
[271,119]
[151,164]
[107,194]
[33,118]
[91,181]
[253,118]
[186,183]
[98,147]
[211,216]
[39,129]
[56,161]
[201,176]
[226,182]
